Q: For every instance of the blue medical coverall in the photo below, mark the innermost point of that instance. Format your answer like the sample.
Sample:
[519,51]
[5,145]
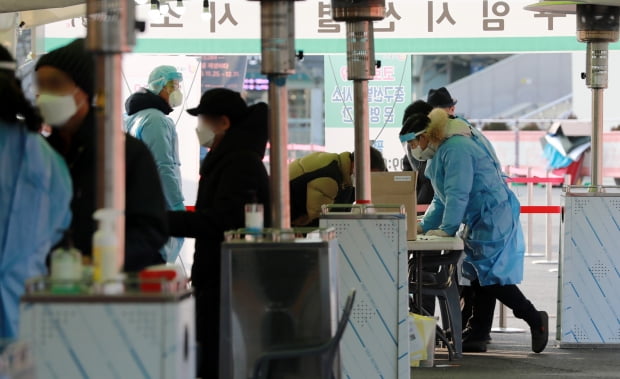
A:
[470,189]
[150,125]
[35,199]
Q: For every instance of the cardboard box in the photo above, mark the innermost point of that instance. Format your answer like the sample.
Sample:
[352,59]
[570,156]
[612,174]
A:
[397,188]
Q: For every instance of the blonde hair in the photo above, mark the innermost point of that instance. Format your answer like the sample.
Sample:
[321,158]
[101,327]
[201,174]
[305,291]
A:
[436,130]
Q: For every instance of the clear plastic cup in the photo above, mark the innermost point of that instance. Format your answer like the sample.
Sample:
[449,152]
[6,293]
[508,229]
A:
[254,217]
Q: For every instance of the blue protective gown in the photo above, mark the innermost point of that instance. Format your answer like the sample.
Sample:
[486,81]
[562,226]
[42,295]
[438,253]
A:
[470,190]
[35,203]
[147,120]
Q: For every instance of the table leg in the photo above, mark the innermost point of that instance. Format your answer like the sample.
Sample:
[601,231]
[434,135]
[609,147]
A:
[419,283]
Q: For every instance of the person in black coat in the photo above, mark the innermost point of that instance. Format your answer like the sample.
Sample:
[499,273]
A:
[231,175]
[65,80]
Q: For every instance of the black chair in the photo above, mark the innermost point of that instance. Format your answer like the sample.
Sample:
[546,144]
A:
[326,351]
[440,280]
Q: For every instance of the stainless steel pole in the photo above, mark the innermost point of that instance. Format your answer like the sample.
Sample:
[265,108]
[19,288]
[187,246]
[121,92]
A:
[549,226]
[359,16]
[111,142]
[597,137]
[362,142]
[278,61]
[278,130]
[111,32]
[360,69]
[596,78]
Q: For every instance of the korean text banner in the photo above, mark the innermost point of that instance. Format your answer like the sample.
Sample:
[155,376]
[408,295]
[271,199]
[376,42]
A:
[410,26]
[389,92]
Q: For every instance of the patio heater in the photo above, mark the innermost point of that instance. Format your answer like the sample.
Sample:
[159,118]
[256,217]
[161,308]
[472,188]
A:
[359,16]
[111,32]
[279,289]
[371,241]
[589,228]
[278,61]
[597,25]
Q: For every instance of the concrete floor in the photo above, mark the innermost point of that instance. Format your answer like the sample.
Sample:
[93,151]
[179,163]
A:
[509,355]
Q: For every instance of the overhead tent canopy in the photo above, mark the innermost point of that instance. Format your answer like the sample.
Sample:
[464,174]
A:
[7,6]
[40,12]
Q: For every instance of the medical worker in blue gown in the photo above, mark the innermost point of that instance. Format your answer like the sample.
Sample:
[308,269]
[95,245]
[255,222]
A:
[35,196]
[148,120]
[470,190]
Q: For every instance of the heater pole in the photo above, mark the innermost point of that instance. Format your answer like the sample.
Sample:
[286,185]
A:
[359,16]
[278,61]
[111,32]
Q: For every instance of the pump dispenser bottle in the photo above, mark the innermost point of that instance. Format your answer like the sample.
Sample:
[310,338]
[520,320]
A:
[105,245]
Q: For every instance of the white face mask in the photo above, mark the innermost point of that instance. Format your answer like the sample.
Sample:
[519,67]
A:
[423,155]
[206,136]
[176,98]
[56,109]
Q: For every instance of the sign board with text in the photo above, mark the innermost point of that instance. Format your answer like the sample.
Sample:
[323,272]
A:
[389,93]
[410,26]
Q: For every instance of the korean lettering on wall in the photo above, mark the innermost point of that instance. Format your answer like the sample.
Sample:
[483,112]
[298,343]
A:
[326,25]
[404,19]
[220,13]
[486,16]
[388,93]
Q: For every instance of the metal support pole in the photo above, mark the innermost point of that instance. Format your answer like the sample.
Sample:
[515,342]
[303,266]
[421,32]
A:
[362,142]
[549,225]
[596,75]
[597,137]
[278,61]
[530,219]
[548,230]
[111,32]
[361,68]
[503,323]
[111,146]
[359,17]
[517,144]
[278,131]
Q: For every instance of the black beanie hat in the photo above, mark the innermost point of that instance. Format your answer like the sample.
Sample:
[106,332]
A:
[74,60]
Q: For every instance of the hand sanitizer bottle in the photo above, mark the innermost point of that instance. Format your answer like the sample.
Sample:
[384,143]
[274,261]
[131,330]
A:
[66,267]
[105,246]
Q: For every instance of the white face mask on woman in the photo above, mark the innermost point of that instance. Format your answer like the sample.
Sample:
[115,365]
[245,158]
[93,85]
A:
[423,155]
[56,109]
[206,136]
